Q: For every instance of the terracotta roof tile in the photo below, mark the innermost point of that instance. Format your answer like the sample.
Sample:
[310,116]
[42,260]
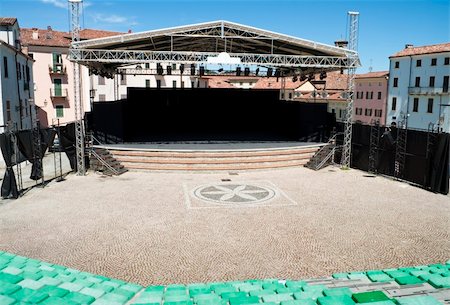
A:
[7,21]
[373,74]
[57,38]
[437,48]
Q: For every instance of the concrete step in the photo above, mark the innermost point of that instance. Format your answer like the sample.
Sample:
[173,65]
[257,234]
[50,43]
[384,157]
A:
[213,167]
[212,160]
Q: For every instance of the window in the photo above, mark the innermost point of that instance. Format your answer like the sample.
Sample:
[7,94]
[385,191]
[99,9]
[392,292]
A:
[394,103]
[101,80]
[158,83]
[31,55]
[123,79]
[174,84]
[359,111]
[367,95]
[430,105]
[59,111]
[445,84]
[395,81]
[371,95]
[397,64]
[8,111]
[368,112]
[419,63]
[417,84]
[378,113]
[5,66]
[290,95]
[18,71]
[446,61]
[147,65]
[433,61]
[379,96]
[341,113]
[192,84]
[102,97]
[174,66]
[432,81]
[416,104]
[147,83]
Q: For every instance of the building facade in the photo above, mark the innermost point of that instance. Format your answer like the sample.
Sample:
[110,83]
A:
[419,87]
[16,80]
[371,91]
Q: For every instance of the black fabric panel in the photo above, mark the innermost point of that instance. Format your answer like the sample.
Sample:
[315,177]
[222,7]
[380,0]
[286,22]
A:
[67,142]
[439,171]
[9,185]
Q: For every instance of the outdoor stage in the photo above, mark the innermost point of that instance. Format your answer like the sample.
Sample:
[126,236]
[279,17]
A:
[212,156]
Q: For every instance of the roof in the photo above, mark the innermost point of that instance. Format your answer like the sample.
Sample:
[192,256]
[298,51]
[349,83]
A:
[333,81]
[7,45]
[213,37]
[376,74]
[8,20]
[430,49]
[275,83]
[57,38]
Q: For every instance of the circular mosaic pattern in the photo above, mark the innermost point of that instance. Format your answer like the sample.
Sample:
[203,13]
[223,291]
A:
[234,193]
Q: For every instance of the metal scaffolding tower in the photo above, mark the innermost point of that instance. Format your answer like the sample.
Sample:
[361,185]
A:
[400,147]
[374,144]
[75,7]
[352,45]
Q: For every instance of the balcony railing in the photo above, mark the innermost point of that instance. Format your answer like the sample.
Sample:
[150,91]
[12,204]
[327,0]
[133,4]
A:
[58,93]
[427,91]
[57,69]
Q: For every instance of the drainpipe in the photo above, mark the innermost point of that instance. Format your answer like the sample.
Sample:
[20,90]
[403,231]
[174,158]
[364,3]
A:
[18,88]
[407,102]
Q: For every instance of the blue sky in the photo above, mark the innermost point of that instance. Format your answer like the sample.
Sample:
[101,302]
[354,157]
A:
[385,26]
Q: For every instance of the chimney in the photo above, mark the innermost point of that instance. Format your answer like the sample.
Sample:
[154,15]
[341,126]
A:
[49,34]
[49,28]
[409,46]
[341,43]
[129,31]
[35,34]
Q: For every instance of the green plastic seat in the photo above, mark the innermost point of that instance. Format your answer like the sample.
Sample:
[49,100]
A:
[408,280]
[337,291]
[418,300]
[336,300]
[371,296]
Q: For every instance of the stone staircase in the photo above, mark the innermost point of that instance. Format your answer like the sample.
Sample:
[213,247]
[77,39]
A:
[102,160]
[212,160]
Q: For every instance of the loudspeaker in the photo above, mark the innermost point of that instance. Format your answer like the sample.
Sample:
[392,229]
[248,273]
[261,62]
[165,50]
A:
[159,69]
[269,72]
[246,71]
[202,70]
[238,71]
[169,70]
[181,68]
[192,69]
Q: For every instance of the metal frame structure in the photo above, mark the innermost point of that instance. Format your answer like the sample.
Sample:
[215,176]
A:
[198,44]
[75,8]
[351,71]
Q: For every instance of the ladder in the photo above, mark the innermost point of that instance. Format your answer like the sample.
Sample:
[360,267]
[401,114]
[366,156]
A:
[400,149]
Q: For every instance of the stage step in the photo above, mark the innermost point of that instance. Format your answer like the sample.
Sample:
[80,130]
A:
[114,166]
[214,160]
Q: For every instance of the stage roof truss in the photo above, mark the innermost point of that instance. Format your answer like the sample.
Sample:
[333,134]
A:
[195,43]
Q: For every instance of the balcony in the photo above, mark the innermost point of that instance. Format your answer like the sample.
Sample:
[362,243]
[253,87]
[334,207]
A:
[427,91]
[58,93]
[57,69]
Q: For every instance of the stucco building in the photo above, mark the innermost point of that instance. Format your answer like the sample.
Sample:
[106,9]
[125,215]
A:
[371,90]
[16,79]
[419,87]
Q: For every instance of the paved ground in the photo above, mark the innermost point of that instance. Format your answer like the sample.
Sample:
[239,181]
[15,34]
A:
[178,228]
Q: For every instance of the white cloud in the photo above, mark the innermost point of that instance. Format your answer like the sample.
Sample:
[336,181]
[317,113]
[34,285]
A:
[57,3]
[113,19]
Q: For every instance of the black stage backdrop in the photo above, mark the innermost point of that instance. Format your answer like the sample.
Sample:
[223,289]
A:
[430,172]
[167,115]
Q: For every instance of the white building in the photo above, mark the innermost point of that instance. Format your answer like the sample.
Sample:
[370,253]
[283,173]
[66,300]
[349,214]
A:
[419,87]
[16,79]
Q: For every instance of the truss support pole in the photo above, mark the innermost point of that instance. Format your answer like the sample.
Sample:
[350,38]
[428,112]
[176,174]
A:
[351,70]
[75,6]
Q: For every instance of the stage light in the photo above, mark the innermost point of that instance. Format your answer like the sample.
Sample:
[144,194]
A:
[323,75]
[192,69]
[302,77]
[257,71]
[169,70]
[238,71]
[311,76]
[294,78]
[202,70]
[342,70]
[220,70]
[246,71]
[138,67]
[181,68]
[269,72]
